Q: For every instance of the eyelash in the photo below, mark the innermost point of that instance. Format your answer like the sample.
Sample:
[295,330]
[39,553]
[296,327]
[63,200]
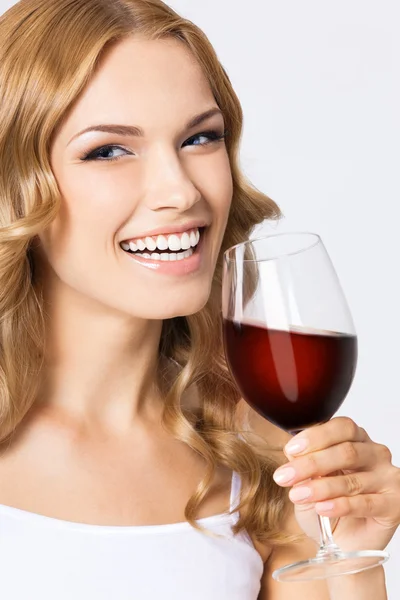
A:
[92,155]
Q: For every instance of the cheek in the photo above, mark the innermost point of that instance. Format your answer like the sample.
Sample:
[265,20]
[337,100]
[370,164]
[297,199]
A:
[94,204]
[216,185]
[223,197]
[83,234]
[98,199]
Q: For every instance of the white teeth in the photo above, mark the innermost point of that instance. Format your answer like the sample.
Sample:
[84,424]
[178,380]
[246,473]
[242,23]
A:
[162,243]
[185,241]
[174,256]
[193,239]
[174,243]
[151,244]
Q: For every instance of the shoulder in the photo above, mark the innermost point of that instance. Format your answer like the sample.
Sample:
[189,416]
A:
[264,550]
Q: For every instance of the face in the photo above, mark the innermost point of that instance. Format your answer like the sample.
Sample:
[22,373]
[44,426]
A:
[118,188]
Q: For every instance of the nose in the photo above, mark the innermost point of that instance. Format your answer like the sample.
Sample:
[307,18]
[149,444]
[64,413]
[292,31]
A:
[168,184]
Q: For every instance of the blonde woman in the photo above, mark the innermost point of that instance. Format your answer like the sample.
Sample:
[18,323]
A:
[123,474]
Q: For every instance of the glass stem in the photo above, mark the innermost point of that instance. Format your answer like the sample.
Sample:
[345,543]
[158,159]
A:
[328,545]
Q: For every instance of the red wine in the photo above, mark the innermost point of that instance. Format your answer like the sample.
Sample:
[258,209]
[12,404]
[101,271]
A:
[294,378]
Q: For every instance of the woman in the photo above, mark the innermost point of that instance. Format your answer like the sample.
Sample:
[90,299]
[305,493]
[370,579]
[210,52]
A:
[122,472]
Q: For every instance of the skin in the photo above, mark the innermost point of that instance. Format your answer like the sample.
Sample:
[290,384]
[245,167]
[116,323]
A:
[97,293]
[98,404]
[364,496]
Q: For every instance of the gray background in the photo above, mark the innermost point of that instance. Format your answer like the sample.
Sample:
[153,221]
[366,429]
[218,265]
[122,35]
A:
[319,85]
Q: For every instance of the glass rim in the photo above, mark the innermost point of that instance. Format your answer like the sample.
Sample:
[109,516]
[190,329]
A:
[274,235]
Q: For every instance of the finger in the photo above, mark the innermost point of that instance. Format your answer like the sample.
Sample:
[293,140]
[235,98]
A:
[327,488]
[347,456]
[365,505]
[335,431]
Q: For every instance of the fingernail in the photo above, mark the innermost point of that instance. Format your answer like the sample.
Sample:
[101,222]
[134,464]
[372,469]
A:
[324,506]
[299,493]
[296,446]
[284,475]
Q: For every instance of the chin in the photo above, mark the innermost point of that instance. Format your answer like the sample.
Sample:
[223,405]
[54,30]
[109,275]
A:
[184,310]
[182,306]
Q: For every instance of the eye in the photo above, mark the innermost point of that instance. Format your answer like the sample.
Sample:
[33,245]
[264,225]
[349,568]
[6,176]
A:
[98,154]
[210,136]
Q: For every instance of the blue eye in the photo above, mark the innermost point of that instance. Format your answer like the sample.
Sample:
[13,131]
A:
[213,136]
[98,153]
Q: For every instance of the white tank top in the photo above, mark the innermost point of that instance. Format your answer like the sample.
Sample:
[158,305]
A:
[42,558]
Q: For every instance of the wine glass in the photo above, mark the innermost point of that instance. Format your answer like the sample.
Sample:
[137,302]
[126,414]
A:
[291,346]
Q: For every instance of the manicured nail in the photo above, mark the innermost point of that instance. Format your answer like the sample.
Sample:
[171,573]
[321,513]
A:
[284,475]
[299,493]
[296,446]
[324,506]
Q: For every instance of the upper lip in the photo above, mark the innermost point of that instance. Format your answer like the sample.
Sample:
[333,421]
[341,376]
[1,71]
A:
[169,229]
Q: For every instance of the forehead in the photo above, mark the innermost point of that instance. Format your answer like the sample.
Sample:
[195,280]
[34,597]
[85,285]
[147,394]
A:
[149,83]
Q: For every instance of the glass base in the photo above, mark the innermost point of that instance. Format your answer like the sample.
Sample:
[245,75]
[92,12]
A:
[332,564]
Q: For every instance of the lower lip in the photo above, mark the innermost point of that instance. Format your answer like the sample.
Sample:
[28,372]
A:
[186,266]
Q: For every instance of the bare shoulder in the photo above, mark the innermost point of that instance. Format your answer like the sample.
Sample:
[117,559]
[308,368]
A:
[10,472]
[264,550]
[17,455]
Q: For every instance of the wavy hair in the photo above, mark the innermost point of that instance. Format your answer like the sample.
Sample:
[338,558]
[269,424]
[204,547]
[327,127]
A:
[48,53]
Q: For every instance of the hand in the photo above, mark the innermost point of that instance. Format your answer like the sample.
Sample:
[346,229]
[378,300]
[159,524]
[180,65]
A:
[365,494]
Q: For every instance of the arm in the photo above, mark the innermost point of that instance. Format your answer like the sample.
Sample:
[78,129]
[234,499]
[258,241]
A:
[368,585]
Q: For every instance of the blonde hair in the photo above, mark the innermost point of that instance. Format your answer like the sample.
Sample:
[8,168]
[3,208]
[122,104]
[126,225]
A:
[48,53]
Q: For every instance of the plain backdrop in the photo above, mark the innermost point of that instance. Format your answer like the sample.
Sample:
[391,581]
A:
[319,86]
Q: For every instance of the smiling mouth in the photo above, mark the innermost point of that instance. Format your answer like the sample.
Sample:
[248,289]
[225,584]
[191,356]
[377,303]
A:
[166,248]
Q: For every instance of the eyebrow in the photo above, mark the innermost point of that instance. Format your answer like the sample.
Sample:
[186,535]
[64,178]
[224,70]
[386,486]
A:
[130,130]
